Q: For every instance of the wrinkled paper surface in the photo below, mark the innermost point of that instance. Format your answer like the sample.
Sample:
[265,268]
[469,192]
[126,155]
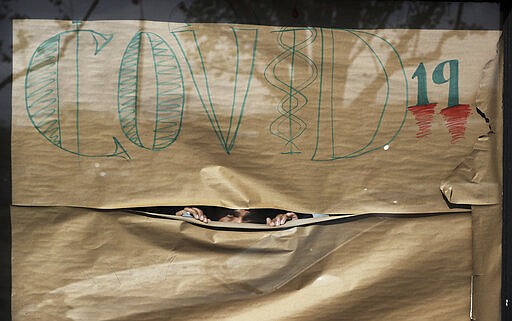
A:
[365,124]
[111,114]
[81,264]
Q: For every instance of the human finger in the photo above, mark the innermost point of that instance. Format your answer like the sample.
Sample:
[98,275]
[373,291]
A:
[192,211]
[182,212]
[279,220]
[205,218]
[196,213]
[273,221]
[200,214]
[292,216]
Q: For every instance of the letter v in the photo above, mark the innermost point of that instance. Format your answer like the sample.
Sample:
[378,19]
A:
[243,76]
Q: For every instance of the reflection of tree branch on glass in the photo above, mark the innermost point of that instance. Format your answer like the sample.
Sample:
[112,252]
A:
[349,14]
[8,13]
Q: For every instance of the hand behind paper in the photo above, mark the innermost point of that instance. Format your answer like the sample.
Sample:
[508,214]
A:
[195,213]
[281,219]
